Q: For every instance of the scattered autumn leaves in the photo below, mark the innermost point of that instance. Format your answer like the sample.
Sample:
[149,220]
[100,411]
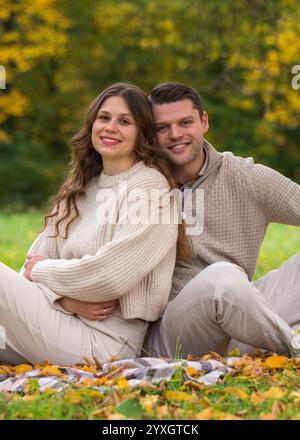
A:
[258,387]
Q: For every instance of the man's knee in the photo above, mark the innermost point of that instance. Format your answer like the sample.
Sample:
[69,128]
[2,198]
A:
[223,268]
[2,277]
[294,261]
[220,280]
[225,274]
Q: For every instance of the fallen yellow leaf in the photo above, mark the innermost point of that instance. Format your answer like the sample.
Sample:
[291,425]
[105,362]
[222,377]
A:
[101,381]
[72,396]
[162,411]
[92,393]
[252,371]
[116,416]
[147,402]
[177,413]
[243,362]
[190,385]
[191,371]
[275,393]
[50,370]
[89,369]
[227,416]
[277,408]
[297,401]
[267,416]
[206,414]
[178,395]
[23,368]
[122,383]
[211,355]
[257,398]
[276,361]
[236,392]
[102,412]
[50,391]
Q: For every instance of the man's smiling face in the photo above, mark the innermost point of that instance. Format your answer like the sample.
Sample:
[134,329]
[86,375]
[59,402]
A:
[180,131]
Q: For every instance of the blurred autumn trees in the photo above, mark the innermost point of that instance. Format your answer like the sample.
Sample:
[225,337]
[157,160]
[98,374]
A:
[59,54]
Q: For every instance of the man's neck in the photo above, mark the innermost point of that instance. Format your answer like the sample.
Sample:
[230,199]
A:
[186,173]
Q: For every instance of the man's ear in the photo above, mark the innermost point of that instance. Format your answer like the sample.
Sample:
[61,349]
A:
[205,123]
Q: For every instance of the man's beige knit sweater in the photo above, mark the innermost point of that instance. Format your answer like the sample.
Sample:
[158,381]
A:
[241,198]
[131,261]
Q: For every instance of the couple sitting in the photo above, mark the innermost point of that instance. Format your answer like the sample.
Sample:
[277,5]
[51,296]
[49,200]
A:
[104,281]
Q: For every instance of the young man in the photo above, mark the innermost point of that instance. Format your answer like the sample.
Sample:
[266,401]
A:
[213,303]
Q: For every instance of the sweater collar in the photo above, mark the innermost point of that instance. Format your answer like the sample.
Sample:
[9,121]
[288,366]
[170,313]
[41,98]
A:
[105,181]
[213,156]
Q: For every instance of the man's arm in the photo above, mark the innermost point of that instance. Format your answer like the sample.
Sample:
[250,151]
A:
[278,196]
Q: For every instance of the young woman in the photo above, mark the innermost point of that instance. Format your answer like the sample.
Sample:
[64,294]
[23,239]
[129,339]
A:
[100,270]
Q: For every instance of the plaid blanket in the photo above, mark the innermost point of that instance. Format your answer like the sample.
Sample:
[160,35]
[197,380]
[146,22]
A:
[136,371]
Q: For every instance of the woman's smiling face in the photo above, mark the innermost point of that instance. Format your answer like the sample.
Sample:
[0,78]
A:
[114,132]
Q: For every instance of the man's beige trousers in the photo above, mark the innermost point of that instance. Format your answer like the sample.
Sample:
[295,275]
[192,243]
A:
[35,331]
[220,309]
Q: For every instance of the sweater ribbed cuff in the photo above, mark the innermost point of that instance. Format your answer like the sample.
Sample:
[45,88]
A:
[39,272]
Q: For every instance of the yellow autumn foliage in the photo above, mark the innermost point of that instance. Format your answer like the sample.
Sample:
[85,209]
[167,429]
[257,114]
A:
[38,31]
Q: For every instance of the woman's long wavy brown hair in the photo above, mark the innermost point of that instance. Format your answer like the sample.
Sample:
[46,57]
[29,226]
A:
[86,162]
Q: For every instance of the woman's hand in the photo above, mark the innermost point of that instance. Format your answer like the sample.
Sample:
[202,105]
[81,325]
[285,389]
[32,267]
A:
[94,311]
[29,263]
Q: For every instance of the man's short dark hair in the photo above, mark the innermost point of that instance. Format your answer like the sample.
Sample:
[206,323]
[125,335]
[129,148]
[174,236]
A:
[167,93]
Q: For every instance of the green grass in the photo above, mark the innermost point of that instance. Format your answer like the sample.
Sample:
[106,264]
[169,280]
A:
[17,231]
[280,243]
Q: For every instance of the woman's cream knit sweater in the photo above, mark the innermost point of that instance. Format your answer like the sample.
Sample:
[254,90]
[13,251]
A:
[129,260]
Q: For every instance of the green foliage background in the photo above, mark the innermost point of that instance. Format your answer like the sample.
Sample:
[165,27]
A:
[59,54]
